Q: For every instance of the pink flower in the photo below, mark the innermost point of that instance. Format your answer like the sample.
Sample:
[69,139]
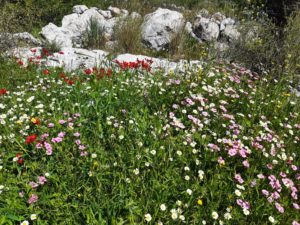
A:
[261,176]
[81,147]
[33,198]
[232,152]
[50,125]
[296,206]
[246,163]
[77,134]
[270,199]
[243,152]
[42,180]
[295,168]
[44,136]
[239,178]
[279,207]
[221,161]
[39,145]
[282,174]
[62,122]
[294,195]
[275,195]
[287,182]
[56,140]
[265,192]
[33,184]
[48,148]
[243,204]
[295,223]
[213,147]
[83,153]
[61,134]
[270,166]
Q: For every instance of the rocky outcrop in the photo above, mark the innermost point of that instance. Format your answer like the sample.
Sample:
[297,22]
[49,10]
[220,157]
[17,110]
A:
[75,25]
[158,30]
[206,29]
[71,59]
[214,27]
[160,27]
[9,40]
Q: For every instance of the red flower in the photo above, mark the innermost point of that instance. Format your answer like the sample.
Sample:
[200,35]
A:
[33,50]
[20,161]
[62,75]
[61,52]
[3,91]
[46,72]
[30,139]
[88,71]
[68,81]
[45,51]
[36,121]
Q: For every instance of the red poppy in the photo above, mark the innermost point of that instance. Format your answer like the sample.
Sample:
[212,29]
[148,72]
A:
[62,75]
[68,81]
[18,155]
[30,139]
[36,121]
[20,161]
[3,91]
[88,71]
[46,72]
[45,51]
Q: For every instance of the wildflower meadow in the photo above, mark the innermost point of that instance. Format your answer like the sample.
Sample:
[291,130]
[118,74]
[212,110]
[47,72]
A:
[217,144]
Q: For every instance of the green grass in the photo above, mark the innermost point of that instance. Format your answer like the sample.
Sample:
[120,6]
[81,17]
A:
[138,157]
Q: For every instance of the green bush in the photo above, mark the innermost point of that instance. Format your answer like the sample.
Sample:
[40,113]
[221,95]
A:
[94,37]
[258,48]
[128,35]
[292,45]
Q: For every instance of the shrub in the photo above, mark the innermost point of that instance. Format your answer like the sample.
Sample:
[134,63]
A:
[185,46]
[94,36]
[258,48]
[52,47]
[292,45]
[128,35]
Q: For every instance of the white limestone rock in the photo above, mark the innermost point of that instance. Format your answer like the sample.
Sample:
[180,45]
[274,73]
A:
[53,34]
[160,27]
[231,33]
[79,9]
[206,29]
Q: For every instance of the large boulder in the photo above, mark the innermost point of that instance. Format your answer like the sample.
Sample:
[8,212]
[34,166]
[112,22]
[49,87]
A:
[79,9]
[75,25]
[231,33]
[57,35]
[206,29]
[160,27]
[76,58]
[9,40]
[226,22]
